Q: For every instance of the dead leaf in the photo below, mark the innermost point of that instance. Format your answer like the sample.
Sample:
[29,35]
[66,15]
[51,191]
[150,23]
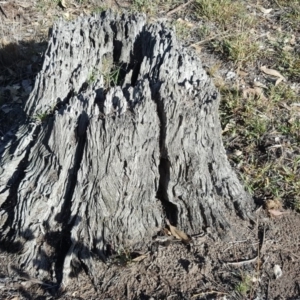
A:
[27,284]
[265,10]
[271,72]
[279,80]
[25,5]
[178,233]
[231,124]
[287,48]
[237,152]
[259,84]
[67,15]
[273,204]
[197,47]
[277,271]
[276,213]
[256,91]
[295,104]
[167,231]
[140,258]
[63,3]
[242,73]
[291,120]
[270,37]
[293,40]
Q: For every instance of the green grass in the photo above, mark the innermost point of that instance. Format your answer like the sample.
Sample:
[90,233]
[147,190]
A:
[238,49]
[222,12]
[291,14]
[182,29]
[144,6]
[268,129]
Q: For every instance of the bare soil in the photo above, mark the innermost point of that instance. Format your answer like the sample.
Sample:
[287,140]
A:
[208,268]
[236,264]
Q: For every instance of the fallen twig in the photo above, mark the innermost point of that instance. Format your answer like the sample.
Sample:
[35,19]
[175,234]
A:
[172,11]
[242,262]
[209,293]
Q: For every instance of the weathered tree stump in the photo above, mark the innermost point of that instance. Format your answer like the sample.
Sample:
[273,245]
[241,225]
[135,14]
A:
[122,132]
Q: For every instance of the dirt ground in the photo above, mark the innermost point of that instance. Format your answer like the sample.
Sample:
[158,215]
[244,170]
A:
[208,268]
[251,260]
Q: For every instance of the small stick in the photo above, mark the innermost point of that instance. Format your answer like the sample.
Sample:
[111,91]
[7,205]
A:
[209,293]
[172,11]
[241,263]
[237,242]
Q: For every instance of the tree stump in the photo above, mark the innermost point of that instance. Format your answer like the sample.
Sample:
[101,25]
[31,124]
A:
[122,134]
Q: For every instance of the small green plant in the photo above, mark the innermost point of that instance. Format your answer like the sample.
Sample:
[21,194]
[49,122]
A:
[42,117]
[244,286]
[92,77]
[123,257]
[114,76]
[111,73]
[203,31]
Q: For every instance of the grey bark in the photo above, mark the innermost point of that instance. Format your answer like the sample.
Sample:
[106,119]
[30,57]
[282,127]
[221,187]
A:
[122,132]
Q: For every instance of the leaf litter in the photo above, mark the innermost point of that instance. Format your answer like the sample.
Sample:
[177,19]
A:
[178,234]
